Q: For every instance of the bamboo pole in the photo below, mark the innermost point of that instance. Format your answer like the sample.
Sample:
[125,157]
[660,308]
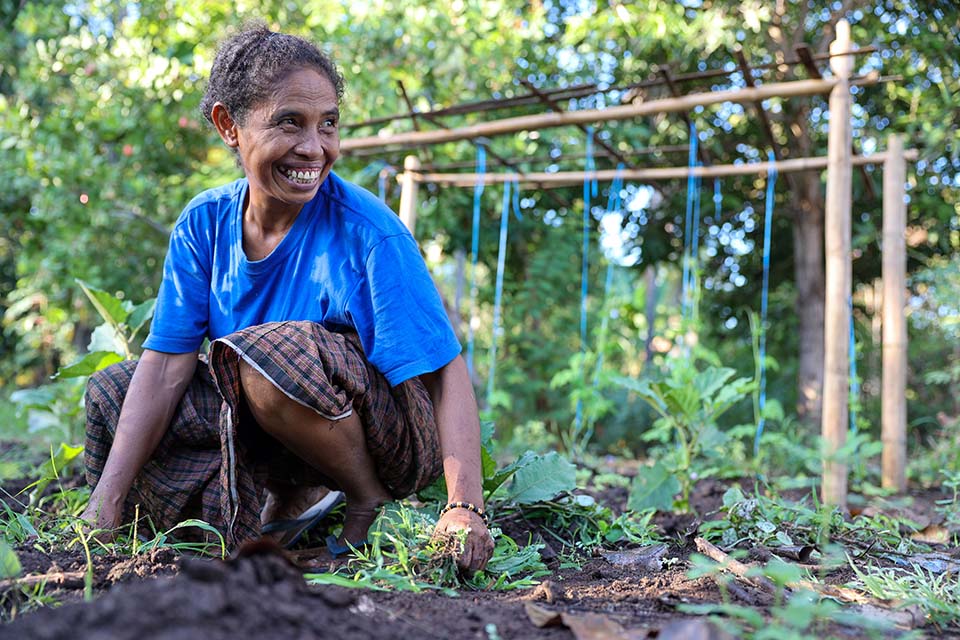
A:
[620,112]
[894,400]
[408,193]
[837,241]
[569,178]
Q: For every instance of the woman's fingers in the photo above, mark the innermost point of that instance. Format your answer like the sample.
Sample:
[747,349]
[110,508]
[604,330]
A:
[464,561]
[478,545]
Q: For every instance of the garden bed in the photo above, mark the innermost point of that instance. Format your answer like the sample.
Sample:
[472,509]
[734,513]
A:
[612,590]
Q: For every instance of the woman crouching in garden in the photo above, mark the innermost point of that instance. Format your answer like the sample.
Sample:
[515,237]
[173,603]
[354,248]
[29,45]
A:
[332,362]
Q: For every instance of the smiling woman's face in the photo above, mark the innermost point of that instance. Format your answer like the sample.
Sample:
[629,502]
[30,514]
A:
[288,143]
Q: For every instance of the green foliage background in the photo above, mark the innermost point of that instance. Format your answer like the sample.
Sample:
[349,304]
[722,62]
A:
[101,145]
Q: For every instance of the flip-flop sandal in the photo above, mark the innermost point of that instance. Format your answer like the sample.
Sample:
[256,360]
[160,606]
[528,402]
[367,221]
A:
[294,528]
[337,550]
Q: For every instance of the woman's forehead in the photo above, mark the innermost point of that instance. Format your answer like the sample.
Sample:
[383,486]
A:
[306,89]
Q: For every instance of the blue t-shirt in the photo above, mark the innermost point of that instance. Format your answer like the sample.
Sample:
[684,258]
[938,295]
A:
[347,262]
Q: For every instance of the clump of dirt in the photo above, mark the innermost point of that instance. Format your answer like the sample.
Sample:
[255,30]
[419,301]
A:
[107,569]
[260,595]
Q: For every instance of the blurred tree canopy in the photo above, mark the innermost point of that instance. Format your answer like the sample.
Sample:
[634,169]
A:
[102,144]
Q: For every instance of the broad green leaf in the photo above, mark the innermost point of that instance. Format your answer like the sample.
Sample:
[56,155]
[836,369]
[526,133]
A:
[490,485]
[773,410]
[653,488]
[37,398]
[684,401]
[9,563]
[108,306]
[106,338]
[732,496]
[541,478]
[436,491]
[487,463]
[651,393]
[89,364]
[712,378]
[486,432]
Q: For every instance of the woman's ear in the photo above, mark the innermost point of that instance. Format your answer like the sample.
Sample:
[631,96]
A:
[225,124]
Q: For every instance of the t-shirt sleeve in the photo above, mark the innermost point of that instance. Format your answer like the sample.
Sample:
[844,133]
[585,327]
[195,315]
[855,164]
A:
[397,312]
[181,318]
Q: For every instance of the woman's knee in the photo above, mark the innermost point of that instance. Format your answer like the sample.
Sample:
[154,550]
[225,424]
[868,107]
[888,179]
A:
[268,404]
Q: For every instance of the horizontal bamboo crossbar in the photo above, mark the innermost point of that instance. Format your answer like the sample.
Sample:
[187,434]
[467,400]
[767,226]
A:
[569,178]
[590,116]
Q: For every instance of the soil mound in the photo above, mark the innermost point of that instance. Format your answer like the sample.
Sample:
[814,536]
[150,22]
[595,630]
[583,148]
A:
[257,596]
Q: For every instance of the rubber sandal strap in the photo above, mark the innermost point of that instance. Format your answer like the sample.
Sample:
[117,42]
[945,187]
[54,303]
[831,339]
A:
[337,550]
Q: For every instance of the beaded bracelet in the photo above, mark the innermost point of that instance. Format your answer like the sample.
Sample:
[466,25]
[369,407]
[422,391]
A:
[469,506]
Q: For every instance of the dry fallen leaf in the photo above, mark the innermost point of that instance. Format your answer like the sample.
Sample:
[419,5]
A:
[593,626]
[932,534]
[542,616]
[585,626]
[650,558]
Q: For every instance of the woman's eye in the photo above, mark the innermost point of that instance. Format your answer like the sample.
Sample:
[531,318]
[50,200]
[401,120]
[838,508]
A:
[287,122]
[330,122]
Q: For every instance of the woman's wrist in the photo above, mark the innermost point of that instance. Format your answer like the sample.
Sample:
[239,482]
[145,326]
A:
[467,506]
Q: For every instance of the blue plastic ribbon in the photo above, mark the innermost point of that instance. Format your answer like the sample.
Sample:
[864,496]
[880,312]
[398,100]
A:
[498,295]
[717,200]
[854,380]
[475,250]
[764,295]
[589,189]
[692,190]
[614,201]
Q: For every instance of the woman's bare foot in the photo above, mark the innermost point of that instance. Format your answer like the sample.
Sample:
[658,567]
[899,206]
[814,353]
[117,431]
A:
[285,502]
[359,515]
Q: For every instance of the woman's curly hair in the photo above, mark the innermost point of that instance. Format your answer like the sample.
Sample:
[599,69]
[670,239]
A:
[250,64]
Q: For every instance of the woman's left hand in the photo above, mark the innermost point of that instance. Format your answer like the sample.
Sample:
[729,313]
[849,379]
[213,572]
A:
[478,545]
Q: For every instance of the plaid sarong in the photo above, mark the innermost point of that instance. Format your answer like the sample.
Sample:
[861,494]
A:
[214,459]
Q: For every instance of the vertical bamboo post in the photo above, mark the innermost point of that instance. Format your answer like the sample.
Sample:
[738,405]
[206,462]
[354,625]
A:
[408,193]
[839,274]
[894,399]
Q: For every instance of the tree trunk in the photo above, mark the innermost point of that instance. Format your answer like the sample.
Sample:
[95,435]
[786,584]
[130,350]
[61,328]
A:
[809,272]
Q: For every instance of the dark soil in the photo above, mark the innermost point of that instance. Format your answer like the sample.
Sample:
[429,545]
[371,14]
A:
[262,595]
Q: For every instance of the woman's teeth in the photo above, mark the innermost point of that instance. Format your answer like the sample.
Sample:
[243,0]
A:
[301,177]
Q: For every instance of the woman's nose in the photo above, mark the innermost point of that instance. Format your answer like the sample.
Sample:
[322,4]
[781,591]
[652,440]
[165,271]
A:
[309,144]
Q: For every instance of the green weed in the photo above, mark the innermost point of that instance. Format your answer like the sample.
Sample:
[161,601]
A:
[773,522]
[937,594]
[797,615]
[405,555]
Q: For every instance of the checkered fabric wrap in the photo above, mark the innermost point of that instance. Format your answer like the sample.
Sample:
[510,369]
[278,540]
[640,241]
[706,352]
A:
[223,471]
[182,478]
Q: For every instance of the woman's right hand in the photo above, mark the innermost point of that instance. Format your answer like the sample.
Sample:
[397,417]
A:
[103,514]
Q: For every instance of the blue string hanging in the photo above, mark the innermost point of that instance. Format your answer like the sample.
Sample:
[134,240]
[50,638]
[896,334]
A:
[589,189]
[613,204]
[854,380]
[475,250]
[717,200]
[498,296]
[764,294]
[501,264]
[688,223]
[384,175]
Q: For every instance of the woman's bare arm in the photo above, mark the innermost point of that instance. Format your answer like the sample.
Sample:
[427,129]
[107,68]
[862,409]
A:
[158,384]
[455,410]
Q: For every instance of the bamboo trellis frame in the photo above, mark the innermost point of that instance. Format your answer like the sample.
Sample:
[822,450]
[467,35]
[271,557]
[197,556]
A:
[838,164]
[560,179]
